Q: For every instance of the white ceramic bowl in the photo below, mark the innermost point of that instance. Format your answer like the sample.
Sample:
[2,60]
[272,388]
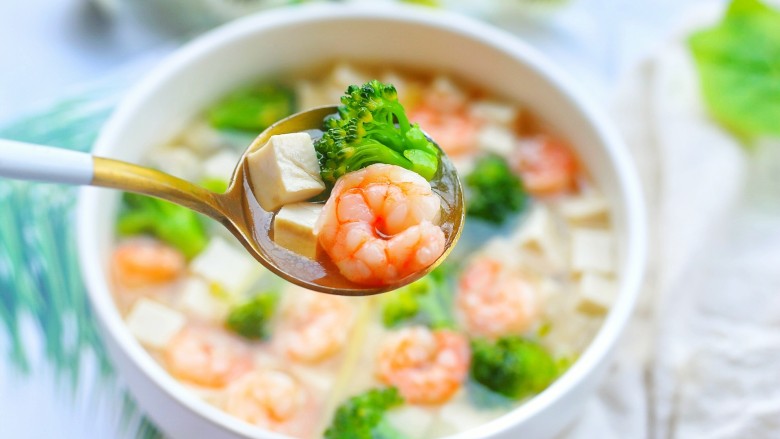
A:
[292,38]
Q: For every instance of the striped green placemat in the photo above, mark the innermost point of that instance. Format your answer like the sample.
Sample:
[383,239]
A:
[52,356]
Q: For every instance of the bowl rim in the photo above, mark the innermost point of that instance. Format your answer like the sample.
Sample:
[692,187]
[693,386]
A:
[629,190]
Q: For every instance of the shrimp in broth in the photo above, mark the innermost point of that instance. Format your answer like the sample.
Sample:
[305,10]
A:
[314,326]
[494,301]
[426,366]
[206,357]
[271,399]
[380,225]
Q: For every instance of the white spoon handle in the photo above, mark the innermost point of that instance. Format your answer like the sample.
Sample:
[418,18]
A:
[26,161]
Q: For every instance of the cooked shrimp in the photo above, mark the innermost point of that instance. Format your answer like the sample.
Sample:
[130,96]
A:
[455,132]
[546,165]
[379,225]
[270,399]
[493,301]
[426,366]
[146,262]
[206,357]
[314,326]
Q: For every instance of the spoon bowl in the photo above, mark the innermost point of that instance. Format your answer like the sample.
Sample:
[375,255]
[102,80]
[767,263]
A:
[236,209]
[253,227]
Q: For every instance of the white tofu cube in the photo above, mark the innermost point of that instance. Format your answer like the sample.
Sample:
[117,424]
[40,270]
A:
[596,293]
[154,324]
[198,299]
[538,234]
[444,94]
[310,95]
[226,265]
[294,228]
[496,139]
[592,250]
[413,422]
[221,165]
[200,136]
[583,208]
[178,161]
[343,75]
[495,112]
[285,170]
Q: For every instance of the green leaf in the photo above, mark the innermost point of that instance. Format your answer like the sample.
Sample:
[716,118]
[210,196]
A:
[738,62]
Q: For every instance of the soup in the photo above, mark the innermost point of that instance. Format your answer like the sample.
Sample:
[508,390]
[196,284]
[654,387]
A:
[513,306]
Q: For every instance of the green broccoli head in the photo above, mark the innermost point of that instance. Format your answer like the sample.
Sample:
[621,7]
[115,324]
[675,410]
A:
[494,191]
[403,304]
[366,133]
[250,319]
[426,301]
[512,366]
[253,108]
[173,224]
[363,416]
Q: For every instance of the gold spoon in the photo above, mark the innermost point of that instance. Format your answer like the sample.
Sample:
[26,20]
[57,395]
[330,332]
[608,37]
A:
[236,209]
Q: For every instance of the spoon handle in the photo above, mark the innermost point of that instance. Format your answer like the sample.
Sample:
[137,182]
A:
[133,178]
[26,161]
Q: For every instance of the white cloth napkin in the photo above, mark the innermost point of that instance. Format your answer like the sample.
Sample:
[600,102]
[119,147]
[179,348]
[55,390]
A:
[702,356]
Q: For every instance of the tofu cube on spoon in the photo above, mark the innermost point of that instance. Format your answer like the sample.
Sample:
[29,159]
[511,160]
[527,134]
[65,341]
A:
[285,171]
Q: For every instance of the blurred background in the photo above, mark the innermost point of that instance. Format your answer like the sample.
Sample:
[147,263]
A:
[48,47]
[701,359]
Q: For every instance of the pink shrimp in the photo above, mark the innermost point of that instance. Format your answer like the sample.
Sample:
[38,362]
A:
[314,326]
[493,301]
[206,357]
[146,262]
[269,399]
[546,165]
[379,225]
[455,132]
[426,366]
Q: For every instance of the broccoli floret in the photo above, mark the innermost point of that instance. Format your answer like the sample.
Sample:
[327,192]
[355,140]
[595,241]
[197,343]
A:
[250,319]
[362,416]
[216,185]
[512,366]
[427,301]
[366,133]
[494,191]
[176,225]
[253,108]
